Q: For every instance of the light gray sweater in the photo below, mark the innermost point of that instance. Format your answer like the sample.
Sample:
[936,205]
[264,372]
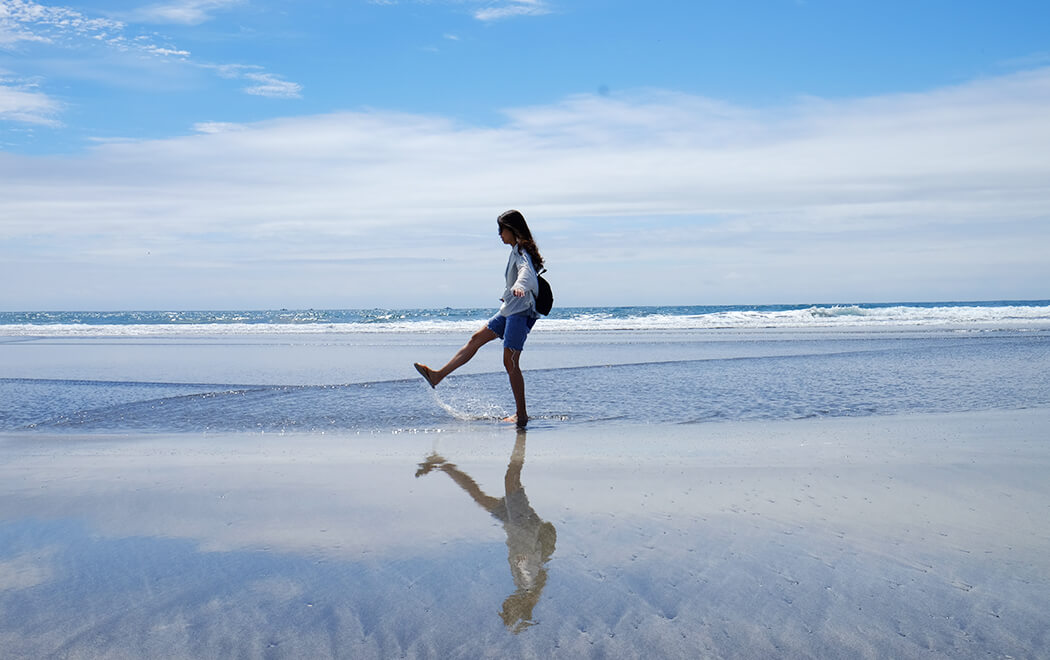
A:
[520,275]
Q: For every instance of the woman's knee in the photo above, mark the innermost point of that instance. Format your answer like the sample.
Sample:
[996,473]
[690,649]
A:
[482,336]
[511,360]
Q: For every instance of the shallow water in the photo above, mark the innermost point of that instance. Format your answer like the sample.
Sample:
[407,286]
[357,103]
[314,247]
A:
[352,383]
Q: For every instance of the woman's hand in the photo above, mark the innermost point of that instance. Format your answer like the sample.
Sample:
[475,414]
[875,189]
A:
[518,293]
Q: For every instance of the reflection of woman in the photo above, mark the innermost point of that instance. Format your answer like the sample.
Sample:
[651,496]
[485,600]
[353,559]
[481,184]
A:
[530,540]
[515,318]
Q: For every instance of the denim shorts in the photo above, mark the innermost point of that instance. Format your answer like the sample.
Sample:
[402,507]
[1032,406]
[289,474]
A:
[512,329]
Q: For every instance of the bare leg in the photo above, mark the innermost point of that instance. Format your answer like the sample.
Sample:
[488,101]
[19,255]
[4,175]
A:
[463,480]
[476,341]
[517,384]
[512,480]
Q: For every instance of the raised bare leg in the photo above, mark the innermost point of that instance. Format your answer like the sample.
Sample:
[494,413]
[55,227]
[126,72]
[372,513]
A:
[476,341]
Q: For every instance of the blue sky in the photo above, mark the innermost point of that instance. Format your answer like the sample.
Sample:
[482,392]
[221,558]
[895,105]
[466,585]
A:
[248,153]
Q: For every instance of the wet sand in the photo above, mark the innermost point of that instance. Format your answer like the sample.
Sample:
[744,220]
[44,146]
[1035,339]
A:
[920,536]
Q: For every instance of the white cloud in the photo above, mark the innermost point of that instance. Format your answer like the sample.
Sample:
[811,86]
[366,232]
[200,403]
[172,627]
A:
[25,105]
[23,20]
[948,188]
[267,84]
[212,127]
[167,52]
[511,9]
[264,84]
[11,34]
[491,10]
[62,27]
[32,21]
[184,12]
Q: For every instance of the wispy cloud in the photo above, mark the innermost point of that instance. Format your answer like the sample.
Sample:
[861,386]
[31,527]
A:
[261,83]
[267,84]
[212,127]
[491,10]
[24,20]
[21,102]
[11,33]
[27,22]
[184,12]
[953,183]
[495,11]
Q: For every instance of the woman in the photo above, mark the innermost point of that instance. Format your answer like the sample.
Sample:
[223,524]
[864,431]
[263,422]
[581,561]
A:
[515,318]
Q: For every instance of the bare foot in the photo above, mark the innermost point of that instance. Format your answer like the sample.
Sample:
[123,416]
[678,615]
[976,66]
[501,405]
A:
[426,373]
[519,421]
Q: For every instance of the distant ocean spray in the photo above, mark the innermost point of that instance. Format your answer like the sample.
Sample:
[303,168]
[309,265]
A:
[983,315]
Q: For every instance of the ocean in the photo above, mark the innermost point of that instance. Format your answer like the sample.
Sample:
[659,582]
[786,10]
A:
[318,371]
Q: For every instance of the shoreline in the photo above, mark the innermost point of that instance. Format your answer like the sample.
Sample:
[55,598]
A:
[904,535]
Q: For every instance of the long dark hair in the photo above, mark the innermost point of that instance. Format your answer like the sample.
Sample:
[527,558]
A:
[515,222]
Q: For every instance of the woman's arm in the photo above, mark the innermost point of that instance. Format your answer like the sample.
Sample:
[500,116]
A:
[527,280]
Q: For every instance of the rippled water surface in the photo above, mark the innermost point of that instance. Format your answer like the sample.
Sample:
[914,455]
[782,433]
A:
[329,383]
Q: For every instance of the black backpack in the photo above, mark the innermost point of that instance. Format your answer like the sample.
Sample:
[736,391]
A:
[545,297]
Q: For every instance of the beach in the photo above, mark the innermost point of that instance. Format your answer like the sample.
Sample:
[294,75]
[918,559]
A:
[799,492]
[910,536]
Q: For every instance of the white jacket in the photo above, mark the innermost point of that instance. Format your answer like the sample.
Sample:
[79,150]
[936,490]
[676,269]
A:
[520,275]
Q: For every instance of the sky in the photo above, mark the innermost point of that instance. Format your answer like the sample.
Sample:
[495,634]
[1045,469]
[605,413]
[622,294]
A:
[254,154]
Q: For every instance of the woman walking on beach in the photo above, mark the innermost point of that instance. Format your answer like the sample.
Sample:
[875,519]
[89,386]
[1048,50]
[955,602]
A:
[515,318]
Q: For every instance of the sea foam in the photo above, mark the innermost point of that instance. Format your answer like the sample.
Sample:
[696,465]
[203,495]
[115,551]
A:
[977,316]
